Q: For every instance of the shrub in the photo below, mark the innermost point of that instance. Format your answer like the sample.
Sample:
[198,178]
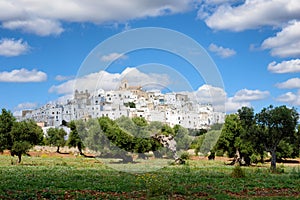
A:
[238,172]
[185,156]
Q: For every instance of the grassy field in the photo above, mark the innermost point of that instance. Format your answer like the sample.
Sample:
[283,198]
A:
[86,178]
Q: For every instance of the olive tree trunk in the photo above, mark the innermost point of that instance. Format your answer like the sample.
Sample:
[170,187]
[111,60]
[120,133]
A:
[273,160]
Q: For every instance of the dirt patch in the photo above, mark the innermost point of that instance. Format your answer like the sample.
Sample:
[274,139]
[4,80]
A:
[51,154]
[285,162]
[217,158]
[265,192]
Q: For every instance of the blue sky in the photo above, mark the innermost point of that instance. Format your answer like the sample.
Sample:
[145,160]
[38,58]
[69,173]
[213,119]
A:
[254,44]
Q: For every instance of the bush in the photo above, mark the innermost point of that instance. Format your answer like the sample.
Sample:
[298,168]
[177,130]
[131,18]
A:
[238,172]
[185,156]
[219,153]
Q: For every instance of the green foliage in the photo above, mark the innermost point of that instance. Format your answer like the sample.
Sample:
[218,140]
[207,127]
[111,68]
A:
[197,143]
[182,138]
[6,123]
[25,134]
[126,124]
[210,139]
[277,124]
[167,130]
[95,138]
[216,127]
[272,130]
[185,155]
[238,172]
[155,127]
[125,141]
[232,130]
[206,143]
[130,104]
[74,140]
[284,150]
[197,132]
[56,137]
[84,178]
[20,147]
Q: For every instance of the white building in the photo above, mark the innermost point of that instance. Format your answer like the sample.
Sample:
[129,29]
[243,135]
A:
[129,101]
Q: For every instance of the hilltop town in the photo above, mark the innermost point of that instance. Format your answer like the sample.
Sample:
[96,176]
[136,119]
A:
[129,101]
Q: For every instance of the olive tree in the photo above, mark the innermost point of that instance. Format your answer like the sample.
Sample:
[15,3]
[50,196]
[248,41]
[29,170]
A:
[6,123]
[24,135]
[56,137]
[276,124]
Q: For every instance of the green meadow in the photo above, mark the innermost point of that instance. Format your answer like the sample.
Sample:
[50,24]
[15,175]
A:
[88,178]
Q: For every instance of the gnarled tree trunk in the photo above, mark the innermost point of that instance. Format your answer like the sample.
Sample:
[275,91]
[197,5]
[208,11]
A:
[273,160]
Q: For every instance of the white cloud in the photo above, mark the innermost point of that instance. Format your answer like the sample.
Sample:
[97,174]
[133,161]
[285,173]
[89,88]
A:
[109,81]
[12,47]
[286,42]
[63,78]
[244,97]
[250,95]
[22,76]
[253,14]
[46,17]
[232,105]
[210,94]
[290,66]
[41,27]
[219,99]
[112,56]
[289,84]
[26,105]
[207,7]
[290,98]
[221,51]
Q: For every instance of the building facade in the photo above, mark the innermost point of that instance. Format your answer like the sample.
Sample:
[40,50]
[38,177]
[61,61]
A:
[129,101]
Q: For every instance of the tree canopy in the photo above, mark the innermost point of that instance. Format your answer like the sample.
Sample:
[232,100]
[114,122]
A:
[277,125]
[272,130]
[6,123]
[24,135]
[56,137]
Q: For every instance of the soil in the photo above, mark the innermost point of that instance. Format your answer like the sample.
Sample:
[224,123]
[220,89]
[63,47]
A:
[285,162]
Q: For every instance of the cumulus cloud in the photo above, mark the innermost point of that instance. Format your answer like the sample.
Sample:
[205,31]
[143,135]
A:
[12,47]
[290,98]
[290,66]
[112,56]
[22,76]
[219,99]
[221,51]
[26,105]
[289,84]
[286,42]
[41,27]
[46,17]
[244,97]
[250,95]
[232,105]
[253,14]
[210,94]
[110,81]
[63,78]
